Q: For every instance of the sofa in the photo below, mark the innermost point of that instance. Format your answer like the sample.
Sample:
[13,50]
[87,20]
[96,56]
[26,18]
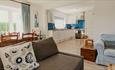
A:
[106,55]
[49,58]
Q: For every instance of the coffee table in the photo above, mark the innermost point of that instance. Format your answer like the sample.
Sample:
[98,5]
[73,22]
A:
[111,67]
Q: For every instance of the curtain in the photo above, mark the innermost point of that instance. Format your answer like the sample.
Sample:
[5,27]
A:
[26,17]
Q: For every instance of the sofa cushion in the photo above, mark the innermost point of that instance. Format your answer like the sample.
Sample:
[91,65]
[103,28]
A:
[1,64]
[109,52]
[19,57]
[109,44]
[44,48]
[61,62]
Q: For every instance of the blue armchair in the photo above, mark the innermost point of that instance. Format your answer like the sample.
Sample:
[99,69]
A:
[105,56]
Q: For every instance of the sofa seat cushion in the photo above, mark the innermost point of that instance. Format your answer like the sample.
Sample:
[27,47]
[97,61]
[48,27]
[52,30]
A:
[109,52]
[61,62]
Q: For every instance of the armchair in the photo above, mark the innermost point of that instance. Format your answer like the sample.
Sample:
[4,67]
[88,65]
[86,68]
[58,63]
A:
[105,56]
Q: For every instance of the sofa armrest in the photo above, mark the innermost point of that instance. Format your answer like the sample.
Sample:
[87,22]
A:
[99,45]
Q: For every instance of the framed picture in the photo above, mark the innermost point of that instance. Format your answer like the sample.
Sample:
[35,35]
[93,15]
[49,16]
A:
[36,23]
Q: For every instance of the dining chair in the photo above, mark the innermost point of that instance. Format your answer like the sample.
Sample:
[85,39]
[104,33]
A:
[8,40]
[29,36]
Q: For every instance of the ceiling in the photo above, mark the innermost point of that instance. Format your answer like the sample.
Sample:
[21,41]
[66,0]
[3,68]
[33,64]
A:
[76,8]
[65,6]
[50,4]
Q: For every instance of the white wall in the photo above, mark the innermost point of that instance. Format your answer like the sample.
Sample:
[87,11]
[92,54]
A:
[33,10]
[58,14]
[42,18]
[9,3]
[72,18]
[89,21]
[101,19]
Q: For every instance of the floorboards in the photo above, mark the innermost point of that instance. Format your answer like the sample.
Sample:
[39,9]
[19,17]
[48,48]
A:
[73,46]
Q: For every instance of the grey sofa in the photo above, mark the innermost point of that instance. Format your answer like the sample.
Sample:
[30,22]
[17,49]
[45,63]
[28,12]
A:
[50,58]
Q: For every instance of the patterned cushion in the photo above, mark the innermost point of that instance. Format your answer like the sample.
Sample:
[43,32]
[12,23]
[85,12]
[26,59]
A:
[19,57]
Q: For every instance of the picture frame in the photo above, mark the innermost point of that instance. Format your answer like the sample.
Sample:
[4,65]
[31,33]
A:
[36,22]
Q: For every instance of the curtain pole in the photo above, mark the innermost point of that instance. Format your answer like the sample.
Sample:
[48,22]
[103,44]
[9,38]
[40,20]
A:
[20,2]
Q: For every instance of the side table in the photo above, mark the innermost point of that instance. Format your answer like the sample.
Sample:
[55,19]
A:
[89,53]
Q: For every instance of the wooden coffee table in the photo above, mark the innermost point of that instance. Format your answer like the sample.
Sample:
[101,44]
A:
[111,67]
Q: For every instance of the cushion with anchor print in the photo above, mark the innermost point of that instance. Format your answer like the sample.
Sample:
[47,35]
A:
[19,57]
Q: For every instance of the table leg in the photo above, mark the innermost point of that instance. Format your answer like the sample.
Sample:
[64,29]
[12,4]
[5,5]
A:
[110,67]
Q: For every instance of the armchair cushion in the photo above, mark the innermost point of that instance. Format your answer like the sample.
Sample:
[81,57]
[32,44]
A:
[109,52]
[108,37]
[109,44]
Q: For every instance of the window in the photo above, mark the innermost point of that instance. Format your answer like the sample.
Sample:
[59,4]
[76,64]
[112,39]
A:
[59,22]
[3,20]
[10,19]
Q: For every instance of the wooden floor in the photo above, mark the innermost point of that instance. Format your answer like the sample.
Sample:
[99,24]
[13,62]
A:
[73,46]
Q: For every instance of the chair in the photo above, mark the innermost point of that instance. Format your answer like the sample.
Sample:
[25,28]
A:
[8,40]
[105,56]
[14,33]
[29,37]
